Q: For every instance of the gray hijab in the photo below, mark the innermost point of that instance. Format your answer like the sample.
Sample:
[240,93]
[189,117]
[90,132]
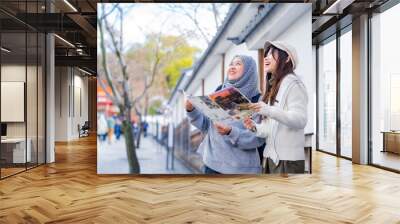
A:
[248,82]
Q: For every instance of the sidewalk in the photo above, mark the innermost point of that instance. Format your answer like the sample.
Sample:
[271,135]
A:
[111,158]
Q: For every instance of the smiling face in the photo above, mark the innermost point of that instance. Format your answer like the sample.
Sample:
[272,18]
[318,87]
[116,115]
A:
[270,63]
[235,69]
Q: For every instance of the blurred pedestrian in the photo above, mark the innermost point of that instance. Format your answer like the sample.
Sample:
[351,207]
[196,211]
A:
[102,127]
[117,128]
[135,128]
[145,127]
[110,124]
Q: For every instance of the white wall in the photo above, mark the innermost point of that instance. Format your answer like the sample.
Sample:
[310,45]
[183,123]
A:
[33,125]
[181,109]
[69,85]
[197,91]
[61,103]
[81,84]
[14,73]
[299,35]
[312,99]
[213,80]
[17,73]
[178,110]
[50,94]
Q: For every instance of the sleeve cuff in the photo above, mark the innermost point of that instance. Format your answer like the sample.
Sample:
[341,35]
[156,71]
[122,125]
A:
[266,110]
[258,131]
[194,113]
[233,135]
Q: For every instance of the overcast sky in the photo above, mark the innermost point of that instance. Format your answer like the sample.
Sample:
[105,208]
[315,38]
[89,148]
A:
[155,17]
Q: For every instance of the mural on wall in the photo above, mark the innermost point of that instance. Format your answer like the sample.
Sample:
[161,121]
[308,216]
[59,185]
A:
[146,123]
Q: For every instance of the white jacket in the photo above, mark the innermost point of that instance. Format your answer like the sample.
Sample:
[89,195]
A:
[286,119]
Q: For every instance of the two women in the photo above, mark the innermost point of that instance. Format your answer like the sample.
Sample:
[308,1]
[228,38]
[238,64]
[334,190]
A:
[284,108]
[228,147]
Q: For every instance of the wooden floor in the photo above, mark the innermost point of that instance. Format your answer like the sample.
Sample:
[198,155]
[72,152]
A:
[70,191]
[10,171]
[387,159]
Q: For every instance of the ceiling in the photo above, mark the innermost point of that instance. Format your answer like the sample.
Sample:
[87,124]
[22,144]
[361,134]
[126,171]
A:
[74,22]
[332,15]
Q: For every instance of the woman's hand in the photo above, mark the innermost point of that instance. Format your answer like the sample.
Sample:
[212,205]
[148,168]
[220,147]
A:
[249,124]
[222,128]
[259,107]
[189,106]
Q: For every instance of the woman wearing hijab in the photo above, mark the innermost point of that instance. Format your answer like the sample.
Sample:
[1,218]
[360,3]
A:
[228,147]
[285,112]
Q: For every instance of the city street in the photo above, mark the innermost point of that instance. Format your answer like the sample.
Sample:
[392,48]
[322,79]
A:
[111,158]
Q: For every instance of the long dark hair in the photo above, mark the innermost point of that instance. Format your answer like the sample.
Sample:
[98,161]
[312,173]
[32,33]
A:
[283,68]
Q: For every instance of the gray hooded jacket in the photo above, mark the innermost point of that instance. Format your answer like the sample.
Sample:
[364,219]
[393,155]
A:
[235,153]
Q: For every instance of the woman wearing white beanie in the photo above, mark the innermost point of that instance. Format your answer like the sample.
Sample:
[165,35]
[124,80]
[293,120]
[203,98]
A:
[284,108]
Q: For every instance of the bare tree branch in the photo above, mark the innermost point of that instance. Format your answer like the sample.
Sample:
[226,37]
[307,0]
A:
[117,51]
[121,14]
[192,15]
[154,70]
[216,15]
[102,85]
[117,97]
[115,5]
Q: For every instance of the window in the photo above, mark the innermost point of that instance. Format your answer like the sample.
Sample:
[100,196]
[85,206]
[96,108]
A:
[385,89]
[327,96]
[346,94]
[22,75]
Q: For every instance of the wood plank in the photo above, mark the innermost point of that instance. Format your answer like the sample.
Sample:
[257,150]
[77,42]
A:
[70,191]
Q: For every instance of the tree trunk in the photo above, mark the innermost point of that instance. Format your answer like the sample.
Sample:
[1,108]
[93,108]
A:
[134,167]
[146,103]
[139,132]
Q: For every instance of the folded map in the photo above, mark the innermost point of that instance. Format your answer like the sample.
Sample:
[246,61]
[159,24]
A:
[223,104]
